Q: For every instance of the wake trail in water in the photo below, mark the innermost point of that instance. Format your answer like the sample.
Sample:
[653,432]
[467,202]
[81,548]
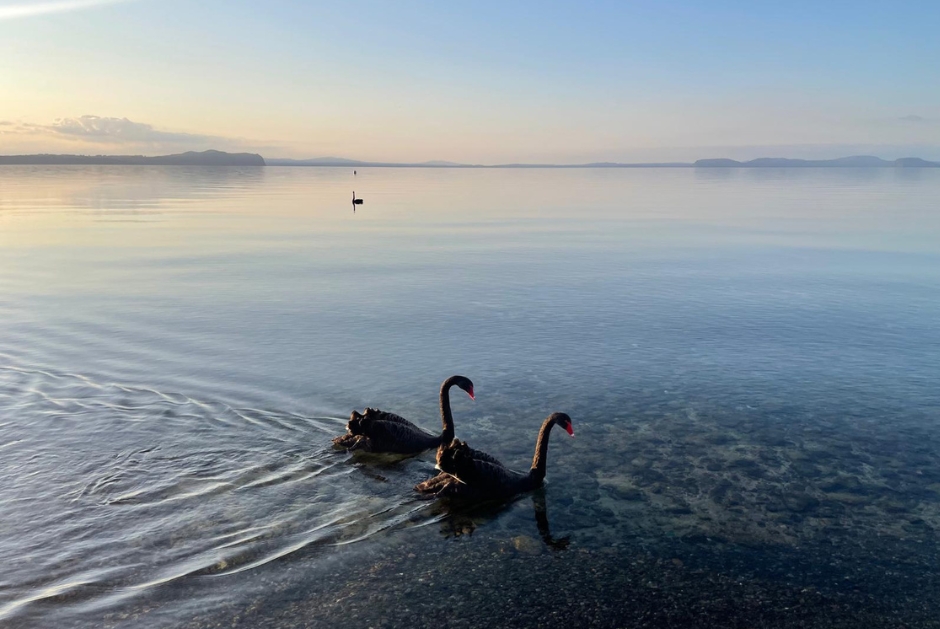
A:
[114,490]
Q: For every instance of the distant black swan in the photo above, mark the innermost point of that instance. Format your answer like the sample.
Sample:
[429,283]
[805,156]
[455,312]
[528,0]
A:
[355,200]
[471,474]
[378,431]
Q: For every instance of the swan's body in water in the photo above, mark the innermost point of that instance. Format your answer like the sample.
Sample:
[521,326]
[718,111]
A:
[378,431]
[471,474]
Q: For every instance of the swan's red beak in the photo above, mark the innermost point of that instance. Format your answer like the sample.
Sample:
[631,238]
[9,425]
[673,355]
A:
[570,429]
[470,393]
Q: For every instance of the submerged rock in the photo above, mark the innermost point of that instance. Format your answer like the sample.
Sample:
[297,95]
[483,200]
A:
[800,502]
[843,484]
[526,545]
[621,487]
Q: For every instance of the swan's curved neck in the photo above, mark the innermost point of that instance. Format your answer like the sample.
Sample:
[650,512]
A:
[540,460]
[447,418]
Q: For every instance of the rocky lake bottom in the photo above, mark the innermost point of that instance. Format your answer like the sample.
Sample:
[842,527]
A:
[713,517]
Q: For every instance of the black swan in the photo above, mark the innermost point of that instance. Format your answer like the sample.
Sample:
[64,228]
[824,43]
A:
[434,485]
[355,200]
[379,431]
[470,474]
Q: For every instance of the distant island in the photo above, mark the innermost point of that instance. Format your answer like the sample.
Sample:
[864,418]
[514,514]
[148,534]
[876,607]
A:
[857,161]
[221,158]
[190,158]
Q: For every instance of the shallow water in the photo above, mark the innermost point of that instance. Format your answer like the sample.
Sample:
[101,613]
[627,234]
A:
[750,359]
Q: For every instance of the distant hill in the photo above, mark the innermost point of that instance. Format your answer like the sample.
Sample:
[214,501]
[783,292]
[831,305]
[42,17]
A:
[190,158]
[861,160]
[719,162]
[915,162]
[315,161]
[856,161]
[441,163]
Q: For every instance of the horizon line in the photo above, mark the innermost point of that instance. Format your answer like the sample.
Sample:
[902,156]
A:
[338,162]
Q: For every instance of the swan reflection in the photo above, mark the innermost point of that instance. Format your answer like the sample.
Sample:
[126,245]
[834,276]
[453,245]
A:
[461,518]
[541,521]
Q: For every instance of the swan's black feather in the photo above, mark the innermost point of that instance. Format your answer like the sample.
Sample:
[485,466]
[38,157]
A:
[378,431]
[472,474]
[375,430]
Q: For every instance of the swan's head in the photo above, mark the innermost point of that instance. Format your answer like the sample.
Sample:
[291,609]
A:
[464,383]
[564,421]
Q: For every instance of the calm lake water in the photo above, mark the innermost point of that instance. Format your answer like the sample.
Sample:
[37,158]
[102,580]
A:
[750,359]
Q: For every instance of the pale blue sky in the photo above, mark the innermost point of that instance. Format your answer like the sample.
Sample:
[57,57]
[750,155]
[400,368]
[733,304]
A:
[476,82]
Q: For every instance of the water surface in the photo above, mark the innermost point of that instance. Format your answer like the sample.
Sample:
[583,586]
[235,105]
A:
[750,358]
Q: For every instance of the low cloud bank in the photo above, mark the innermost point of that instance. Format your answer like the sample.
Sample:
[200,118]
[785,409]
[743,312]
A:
[103,134]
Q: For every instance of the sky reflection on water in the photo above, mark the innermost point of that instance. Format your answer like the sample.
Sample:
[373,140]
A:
[749,357]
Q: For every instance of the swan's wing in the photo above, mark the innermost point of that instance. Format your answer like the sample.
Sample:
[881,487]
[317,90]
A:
[457,444]
[374,414]
[360,423]
[353,442]
[435,484]
[379,431]
[395,430]
[488,478]
[453,488]
[480,455]
[399,438]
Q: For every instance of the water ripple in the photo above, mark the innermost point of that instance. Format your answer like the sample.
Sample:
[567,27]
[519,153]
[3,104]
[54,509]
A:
[121,489]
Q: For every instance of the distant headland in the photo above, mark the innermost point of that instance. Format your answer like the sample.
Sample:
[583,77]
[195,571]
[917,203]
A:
[190,158]
[221,158]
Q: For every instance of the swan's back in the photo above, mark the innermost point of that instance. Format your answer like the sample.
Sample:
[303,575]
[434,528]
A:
[448,450]
[380,431]
[374,414]
[480,471]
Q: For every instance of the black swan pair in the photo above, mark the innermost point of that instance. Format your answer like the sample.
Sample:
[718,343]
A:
[464,472]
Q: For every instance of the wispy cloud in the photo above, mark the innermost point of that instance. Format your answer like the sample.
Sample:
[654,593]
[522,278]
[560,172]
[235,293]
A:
[124,131]
[913,118]
[30,9]
[119,135]
[21,128]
